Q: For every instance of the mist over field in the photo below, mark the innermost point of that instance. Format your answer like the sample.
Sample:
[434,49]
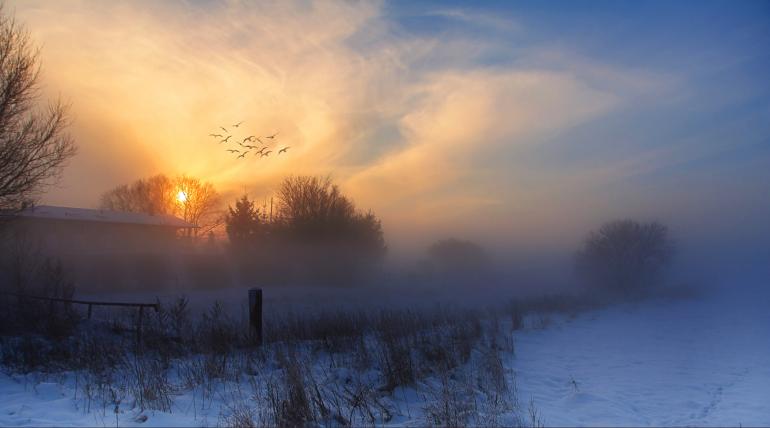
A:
[329,213]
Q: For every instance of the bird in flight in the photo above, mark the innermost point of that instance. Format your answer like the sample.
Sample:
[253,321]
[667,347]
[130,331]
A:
[223,128]
[272,136]
[233,150]
[225,140]
[267,153]
[283,150]
[216,135]
[237,124]
[243,155]
[249,138]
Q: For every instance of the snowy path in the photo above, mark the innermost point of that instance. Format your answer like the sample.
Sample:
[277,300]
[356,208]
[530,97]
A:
[697,362]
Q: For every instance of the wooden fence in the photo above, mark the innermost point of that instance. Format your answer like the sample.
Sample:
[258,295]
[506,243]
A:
[91,304]
[255,310]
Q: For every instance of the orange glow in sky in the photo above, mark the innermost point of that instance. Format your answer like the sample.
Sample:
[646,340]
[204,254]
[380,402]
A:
[431,131]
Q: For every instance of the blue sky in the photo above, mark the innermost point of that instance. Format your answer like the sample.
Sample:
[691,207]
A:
[712,128]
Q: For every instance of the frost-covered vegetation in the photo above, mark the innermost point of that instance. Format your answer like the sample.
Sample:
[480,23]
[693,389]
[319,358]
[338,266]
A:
[661,362]
[441,366]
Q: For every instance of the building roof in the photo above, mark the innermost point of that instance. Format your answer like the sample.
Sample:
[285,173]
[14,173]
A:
[102,216]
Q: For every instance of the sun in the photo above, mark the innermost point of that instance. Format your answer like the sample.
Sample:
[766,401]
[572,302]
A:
[181,196]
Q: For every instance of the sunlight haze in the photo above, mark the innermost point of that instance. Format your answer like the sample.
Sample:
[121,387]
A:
[432,115]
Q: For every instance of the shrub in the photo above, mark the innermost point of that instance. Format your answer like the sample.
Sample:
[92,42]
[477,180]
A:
[395,358]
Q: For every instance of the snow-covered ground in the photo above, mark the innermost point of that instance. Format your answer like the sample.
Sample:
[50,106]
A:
[702,361]
[676,363]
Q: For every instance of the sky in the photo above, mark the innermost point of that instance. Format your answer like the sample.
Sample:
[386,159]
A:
[504,122]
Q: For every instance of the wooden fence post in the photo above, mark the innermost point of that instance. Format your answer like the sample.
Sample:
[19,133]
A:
[255,314]
[139,325]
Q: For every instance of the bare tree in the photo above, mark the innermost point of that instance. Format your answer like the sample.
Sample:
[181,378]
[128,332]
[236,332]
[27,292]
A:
[198,200]
[194,200]
[625,255]
[328,239]
[313,209]
[153,195]
[34,145]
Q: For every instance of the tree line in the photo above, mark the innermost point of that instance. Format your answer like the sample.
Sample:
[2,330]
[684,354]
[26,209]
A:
[315,233]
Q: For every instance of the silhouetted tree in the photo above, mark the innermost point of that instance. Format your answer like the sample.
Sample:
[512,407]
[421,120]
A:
[318,235]
[160,195]
[242,222]
[367,231]
[201,201]
[625,255]
[314,210]
[152,195]
[33,144]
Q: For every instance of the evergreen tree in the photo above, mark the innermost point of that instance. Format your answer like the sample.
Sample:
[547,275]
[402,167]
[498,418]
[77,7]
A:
[242,222]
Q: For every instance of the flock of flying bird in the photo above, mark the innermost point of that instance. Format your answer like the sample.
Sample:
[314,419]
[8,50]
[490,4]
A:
[247,144]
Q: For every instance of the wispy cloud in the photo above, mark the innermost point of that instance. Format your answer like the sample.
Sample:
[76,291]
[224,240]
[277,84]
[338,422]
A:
[404,121]
[487,21]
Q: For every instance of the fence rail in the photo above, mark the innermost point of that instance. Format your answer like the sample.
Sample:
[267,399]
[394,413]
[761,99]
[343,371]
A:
[91,304]
[255,310]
